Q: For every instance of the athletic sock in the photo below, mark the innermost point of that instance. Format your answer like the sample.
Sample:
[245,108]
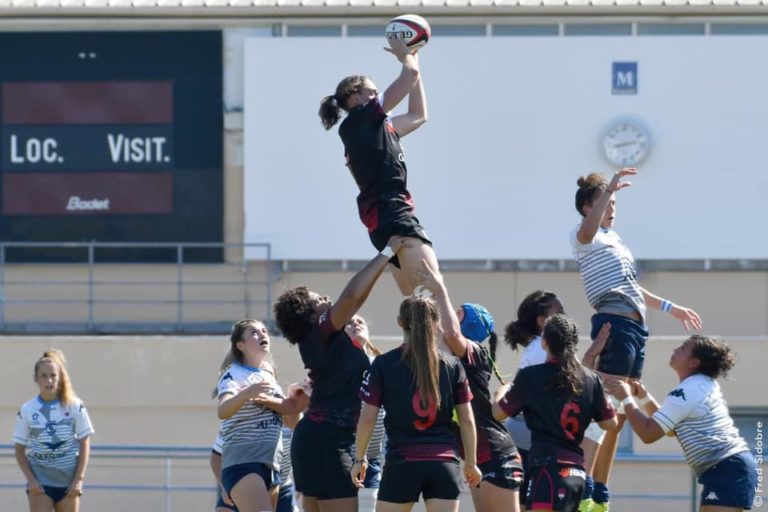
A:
[589,487]
[601,494]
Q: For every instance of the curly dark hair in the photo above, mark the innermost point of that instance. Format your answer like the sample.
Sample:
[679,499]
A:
[294,313]
[589,188]
[519,333]
[562,336]
[715,357]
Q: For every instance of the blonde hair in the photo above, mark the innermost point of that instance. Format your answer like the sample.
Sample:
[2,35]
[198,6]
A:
[65,393]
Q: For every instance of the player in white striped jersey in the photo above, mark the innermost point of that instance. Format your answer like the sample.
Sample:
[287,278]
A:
[696,412]
[252,434]
[607,269]
[52,438]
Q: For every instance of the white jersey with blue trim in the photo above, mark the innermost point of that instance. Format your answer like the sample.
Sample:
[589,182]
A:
[253,433]
[606,266]
[51,433]
[697,412]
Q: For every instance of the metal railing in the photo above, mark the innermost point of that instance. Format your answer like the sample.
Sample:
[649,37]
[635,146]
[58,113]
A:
[168,458]
[96,287]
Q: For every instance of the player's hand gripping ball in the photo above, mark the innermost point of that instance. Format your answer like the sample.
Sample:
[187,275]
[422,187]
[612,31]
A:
[411,28]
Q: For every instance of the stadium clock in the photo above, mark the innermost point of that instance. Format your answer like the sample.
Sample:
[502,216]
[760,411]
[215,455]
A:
[626,143]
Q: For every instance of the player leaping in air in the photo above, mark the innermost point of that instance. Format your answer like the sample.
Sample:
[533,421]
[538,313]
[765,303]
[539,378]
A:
[374,156]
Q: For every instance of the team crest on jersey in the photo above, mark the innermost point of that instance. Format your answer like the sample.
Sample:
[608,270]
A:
[35,416]
[678,393]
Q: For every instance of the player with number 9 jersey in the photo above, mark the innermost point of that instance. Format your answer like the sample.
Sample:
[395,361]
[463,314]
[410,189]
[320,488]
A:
[419,388]
[558,400]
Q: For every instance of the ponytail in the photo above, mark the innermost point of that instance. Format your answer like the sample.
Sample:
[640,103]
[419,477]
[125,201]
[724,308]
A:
[65,393]
[519,333]
[418,316]
[562,336]
[329,112]
[331,106]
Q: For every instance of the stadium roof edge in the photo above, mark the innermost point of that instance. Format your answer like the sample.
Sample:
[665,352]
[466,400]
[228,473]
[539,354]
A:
[324,8]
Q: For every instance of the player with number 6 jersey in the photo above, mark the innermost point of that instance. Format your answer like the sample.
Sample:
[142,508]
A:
[419,389]
[558,399]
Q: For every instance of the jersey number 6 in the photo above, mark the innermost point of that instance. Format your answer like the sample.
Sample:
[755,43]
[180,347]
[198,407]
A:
[569,421]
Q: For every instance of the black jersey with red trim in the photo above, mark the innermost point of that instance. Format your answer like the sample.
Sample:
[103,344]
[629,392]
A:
[415,432]
[336,365]
[557,419]
[376,160]
[493,439]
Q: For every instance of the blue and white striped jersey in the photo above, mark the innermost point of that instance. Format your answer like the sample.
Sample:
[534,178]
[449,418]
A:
[253,433]
[697,412]
[51,432]
[606,266]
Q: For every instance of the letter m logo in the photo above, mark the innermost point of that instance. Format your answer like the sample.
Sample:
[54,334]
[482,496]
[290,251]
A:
[624,78]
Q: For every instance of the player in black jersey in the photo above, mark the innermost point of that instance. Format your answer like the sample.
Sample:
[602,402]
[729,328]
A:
[322,442]
[375,158]
[419,389]
[497,455]
[558,399]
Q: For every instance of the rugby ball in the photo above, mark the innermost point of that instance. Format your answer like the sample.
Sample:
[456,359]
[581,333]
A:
[411,28]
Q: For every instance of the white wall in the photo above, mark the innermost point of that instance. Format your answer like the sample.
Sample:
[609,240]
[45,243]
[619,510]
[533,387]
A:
[513,122]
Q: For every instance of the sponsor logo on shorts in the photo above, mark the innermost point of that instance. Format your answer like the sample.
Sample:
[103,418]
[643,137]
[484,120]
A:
[711,496]
[575,472]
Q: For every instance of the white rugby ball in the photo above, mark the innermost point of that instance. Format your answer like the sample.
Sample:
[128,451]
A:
[411,28]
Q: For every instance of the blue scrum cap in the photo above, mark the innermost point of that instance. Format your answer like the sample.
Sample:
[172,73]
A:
[477,324]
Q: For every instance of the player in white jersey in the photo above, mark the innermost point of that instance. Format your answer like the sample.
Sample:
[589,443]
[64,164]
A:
[696,412]
[357,330]
[607,269]
[252,434]
[52,438]
[223,502]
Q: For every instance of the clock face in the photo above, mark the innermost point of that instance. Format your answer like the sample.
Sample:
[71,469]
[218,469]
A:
[626,143]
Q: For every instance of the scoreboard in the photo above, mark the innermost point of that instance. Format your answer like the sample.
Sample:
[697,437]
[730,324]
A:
[112,137]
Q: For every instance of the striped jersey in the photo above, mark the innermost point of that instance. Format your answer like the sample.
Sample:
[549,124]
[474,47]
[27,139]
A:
[606,267]
[51,433]
[253,433]
[698,414]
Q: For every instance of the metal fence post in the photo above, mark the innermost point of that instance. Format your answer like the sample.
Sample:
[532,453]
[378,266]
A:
[90,286]
[694,490]
[179,287]
[168,484]
[2,286]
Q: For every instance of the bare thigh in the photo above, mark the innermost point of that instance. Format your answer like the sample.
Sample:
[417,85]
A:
[338,505]
[68,504]
[498,499]
[410,261]
[40,503]
[437,505]
[251,494]
[386,506]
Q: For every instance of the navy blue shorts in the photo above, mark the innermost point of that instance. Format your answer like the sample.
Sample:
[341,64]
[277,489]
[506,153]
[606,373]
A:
[404,482]
[624,352]
[373,474]
[55,493]
[233,474]
[556,487]
[322,459]
[286,499]
[731,482]
[220,503]
[504,472]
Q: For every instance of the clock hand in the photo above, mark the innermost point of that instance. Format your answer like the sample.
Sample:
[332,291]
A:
[621,144]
